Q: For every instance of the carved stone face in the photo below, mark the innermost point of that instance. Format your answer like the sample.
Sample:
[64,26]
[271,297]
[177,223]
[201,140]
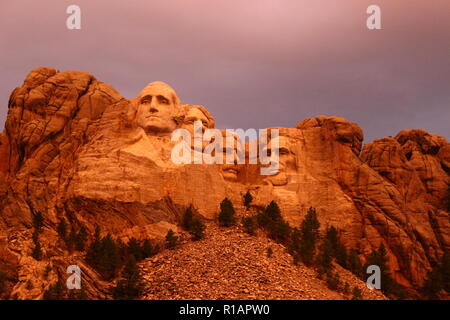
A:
[157,107]
[195,114]
[230,171]
[287,161]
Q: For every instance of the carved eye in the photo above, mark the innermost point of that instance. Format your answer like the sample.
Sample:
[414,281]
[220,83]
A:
[163,100]
[146,100]
[284,151]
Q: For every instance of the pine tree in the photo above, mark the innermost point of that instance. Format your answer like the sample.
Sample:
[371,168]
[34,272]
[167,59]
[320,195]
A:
[354,263]
[341,255]
[273,211]
[147,249]
[197,229]
[226,214]
[249,225]
[109,261]
[296,239]
[379,258]
[104,256]
[309,231]
[130,287]
[187,218]
[171,240]
[325,257]
[134,249]
[248,198]
[438,278]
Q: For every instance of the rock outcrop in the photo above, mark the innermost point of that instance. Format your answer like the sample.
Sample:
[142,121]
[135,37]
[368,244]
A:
[74,148]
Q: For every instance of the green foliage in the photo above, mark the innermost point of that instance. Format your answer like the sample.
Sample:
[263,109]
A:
[309,233]
[249,225]
[248,198]
[271,220]
[356,294]
[188,216]
[438,278]
[333,280]
[388,285]
[193,223]
[130,287]
[197,229]
[59,291]
[103,255]
[171,240]
[38,221]
[325,257]
[148,250]
[354,263]
[341,255]
[226,215]
[134,249]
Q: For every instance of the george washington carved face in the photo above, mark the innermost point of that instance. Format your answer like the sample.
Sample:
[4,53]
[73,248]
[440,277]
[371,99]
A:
[158,108]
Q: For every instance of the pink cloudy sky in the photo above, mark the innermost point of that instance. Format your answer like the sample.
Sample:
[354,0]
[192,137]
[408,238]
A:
[252,63]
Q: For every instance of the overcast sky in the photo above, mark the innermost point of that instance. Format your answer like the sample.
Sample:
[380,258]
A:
[252,63]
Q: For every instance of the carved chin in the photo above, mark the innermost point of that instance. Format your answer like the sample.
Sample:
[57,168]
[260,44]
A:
[279,180]
[159,125]
[229,174]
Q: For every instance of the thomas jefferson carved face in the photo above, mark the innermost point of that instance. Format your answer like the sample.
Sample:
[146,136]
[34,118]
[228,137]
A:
[197,113]
[158,108]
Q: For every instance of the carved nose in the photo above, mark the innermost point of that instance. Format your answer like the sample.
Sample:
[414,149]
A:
[153,109]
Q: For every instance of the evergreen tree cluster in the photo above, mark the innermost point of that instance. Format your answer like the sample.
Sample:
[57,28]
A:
[193,223]
[108,256]
[332,249]
[438,278]
[304,240]
[59,291]
[130,286]
[271,220]
[75,240]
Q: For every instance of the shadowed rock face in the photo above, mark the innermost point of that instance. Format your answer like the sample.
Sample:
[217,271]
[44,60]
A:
[75,148]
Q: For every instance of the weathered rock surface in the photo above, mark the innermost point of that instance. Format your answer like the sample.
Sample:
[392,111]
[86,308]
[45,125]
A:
[71,148]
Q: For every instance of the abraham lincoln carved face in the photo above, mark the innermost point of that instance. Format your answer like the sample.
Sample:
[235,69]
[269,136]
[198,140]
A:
[158,108]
